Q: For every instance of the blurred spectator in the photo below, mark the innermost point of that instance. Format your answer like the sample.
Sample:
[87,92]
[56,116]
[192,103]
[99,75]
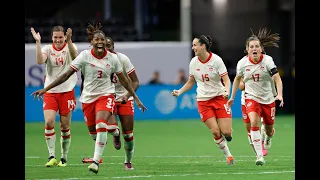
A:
[181,78]
[155,78]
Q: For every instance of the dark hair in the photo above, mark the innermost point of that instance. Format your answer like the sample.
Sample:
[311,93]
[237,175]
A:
[112,43]
[57,29]
[265,38]
[207,40]
[92,30]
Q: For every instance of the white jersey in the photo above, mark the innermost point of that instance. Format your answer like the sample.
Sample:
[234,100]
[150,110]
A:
[257,77]
[208,76]
[57,63]
[96,72]
[127,68]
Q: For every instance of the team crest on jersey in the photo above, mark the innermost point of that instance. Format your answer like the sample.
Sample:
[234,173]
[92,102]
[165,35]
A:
[198,69]
[261,68]
[108,66]
[247,69]
[63,52]
[92,65]
[53,54]
[211,69]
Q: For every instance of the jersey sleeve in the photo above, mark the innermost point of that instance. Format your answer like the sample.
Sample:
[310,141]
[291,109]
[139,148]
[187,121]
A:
[117,65]
[221,67]
[77,63]
[270,64]
[127,65]
[239,69]
[191,68]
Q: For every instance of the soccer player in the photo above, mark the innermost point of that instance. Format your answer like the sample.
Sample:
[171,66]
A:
[97,97]
[259,74]
[57,58]
[124,107]
[208,71]
[247,124]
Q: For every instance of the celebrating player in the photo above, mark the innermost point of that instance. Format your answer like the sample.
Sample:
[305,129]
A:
[57,57]
[124,107]
[97,97]
[208,69]
[259,74]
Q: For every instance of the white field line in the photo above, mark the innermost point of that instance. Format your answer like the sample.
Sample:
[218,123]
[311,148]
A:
[176,175]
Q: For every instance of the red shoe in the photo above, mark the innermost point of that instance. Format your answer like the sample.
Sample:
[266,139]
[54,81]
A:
[90,160]
[264,151]
[128,166]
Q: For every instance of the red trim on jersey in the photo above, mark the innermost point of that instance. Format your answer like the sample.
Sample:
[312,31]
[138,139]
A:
[118,72]
[131,71]
[74,68]
[104,54]
[223,74]
[210,55]
[251,60]
[114,52]
[55,48]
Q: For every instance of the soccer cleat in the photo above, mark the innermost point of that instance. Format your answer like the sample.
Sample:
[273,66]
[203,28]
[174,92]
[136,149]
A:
[51,162]
[128,166]
[62,163]
[117,142]
[90,160]
[264,151]
[230,160]
[260,161]
[267,142]
[94,167]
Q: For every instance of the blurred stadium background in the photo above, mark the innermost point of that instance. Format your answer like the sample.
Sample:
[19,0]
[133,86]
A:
[156,35]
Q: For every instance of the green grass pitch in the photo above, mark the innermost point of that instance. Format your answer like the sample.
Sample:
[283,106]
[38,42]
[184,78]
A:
[168,150]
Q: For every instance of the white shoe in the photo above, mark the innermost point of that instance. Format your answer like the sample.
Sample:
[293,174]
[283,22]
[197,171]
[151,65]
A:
[260,161]
[93,167]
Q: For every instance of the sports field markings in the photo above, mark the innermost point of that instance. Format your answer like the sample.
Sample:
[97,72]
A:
[176,175]
[37,157]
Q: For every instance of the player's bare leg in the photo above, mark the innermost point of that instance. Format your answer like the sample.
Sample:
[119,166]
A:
[50,136]
[114,130]
[127,123]
[220,141]
[65,138]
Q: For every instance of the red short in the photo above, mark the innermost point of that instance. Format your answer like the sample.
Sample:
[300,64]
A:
[124,109]
[266,111]
[104,103]
[64,102]
[245,116]
[214,107]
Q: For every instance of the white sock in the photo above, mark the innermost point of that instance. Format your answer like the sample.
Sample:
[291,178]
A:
[222,144]
[50,136]
[65,141]
[113,129]
[101,140]
[128,146]
[256,140]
